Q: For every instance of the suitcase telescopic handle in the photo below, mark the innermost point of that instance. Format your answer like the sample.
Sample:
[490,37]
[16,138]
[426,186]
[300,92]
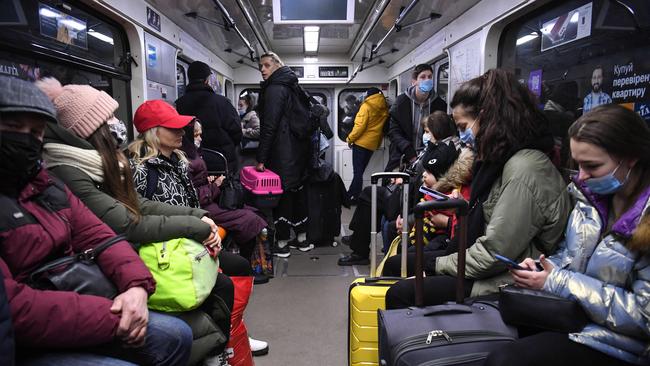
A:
[388,175]
[374,180]
[462,208]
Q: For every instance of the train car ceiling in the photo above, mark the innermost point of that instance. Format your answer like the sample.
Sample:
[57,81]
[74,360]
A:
[372,21]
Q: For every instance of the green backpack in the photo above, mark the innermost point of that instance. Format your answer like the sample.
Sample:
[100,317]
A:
[184,273]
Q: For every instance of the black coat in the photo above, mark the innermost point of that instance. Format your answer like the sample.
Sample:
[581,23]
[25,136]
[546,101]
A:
[400,131]
[279,149]
[325,200]
[220,120]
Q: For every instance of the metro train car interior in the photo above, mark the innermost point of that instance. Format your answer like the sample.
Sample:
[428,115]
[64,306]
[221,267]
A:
[372,139]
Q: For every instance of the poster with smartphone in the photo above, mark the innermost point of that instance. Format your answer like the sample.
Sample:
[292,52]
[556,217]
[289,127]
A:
[568,27]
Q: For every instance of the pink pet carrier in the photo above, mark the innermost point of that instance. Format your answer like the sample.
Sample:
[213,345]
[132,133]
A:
[263,189]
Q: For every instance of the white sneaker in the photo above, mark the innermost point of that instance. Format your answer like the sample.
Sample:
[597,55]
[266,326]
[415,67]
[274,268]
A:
[220,360]
[258,348]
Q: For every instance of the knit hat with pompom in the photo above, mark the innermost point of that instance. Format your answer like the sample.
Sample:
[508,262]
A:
[81,109]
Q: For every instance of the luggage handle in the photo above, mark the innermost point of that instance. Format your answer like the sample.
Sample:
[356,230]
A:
[461,207]
[388,175]
[448,308]
[377,279]
[374,179]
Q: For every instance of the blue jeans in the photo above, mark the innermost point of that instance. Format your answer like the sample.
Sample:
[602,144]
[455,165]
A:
[168,343]
[360,159]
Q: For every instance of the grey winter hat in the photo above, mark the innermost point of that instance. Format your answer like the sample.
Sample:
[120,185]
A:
[18,95]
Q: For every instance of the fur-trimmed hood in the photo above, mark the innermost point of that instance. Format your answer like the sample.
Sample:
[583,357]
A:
[459,174]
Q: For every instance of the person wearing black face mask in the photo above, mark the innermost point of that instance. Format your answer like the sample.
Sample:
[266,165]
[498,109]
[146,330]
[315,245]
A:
[20,153]
[41,220]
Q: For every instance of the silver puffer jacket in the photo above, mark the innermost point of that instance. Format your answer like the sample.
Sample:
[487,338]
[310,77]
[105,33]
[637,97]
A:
[611,282]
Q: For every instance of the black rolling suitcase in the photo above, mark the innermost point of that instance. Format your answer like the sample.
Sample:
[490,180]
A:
[451,334]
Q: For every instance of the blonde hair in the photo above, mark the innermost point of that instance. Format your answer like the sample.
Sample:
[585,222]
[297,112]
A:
[150,143]
[274,56]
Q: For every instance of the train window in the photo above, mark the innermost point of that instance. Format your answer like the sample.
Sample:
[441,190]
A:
[254,93]
[228,90]
[181,81]
[68,31]
[29,68]
[348,105]
[583,53]
[442,81]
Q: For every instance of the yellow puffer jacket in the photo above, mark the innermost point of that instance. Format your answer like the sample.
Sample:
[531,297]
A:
[369,123]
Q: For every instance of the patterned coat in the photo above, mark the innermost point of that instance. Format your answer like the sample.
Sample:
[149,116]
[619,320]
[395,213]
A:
[173,185]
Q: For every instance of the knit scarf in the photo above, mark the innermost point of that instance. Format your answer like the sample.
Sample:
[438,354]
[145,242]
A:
[88,161]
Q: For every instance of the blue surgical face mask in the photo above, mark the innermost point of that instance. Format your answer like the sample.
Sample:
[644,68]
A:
[606,184]
[425,85]
[426,137]
[467,136]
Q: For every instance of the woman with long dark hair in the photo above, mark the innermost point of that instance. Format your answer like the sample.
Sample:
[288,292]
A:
[82,150]
[518,204]
[604,261]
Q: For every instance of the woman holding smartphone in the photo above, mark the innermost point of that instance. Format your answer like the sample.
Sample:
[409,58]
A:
[518,202]
[604,262]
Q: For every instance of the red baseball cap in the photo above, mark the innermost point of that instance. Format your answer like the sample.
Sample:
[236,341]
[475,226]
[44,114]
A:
[154,113]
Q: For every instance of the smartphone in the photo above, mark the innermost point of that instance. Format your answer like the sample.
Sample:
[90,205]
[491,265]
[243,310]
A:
[211,251]
[438,196]
[510,262]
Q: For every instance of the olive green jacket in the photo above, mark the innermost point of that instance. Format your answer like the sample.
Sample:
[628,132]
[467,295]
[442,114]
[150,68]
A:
[158,221]
[525,213]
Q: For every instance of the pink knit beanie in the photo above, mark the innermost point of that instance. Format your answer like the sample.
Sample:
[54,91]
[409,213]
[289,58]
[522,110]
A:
[81,109]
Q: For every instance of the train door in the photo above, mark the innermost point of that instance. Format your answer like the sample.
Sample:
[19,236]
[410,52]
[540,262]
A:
[161,69]
[348,102]
[441,78]
[181,77]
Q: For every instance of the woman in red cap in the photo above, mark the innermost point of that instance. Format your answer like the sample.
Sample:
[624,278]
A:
[82,151]
[161,169]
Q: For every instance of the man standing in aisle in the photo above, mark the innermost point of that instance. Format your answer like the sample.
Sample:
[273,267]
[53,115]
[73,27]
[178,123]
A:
[219,118]
[416,103]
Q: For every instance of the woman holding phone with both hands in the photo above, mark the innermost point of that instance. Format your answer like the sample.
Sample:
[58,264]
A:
[604,262]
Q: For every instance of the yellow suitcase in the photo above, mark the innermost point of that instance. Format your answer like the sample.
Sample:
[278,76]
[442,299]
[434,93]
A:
[367,295]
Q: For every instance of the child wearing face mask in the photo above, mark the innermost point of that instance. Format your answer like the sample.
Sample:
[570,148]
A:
[250,122]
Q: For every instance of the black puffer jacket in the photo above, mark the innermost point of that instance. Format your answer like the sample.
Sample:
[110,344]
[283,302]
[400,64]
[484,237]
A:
[280,150]
[7,345]
[220,120]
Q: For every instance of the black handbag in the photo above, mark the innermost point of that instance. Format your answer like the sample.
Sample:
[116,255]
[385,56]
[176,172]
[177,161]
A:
[78,273]
[232,194]
[542,310]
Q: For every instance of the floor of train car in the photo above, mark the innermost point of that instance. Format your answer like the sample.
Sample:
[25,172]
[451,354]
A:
[302,312]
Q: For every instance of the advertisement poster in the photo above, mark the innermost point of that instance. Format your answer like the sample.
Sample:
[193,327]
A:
[62,27]
[22,71]
[216,82]
[568,27]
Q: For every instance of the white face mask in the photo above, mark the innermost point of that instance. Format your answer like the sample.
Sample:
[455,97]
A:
[426,137]
[197,143]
